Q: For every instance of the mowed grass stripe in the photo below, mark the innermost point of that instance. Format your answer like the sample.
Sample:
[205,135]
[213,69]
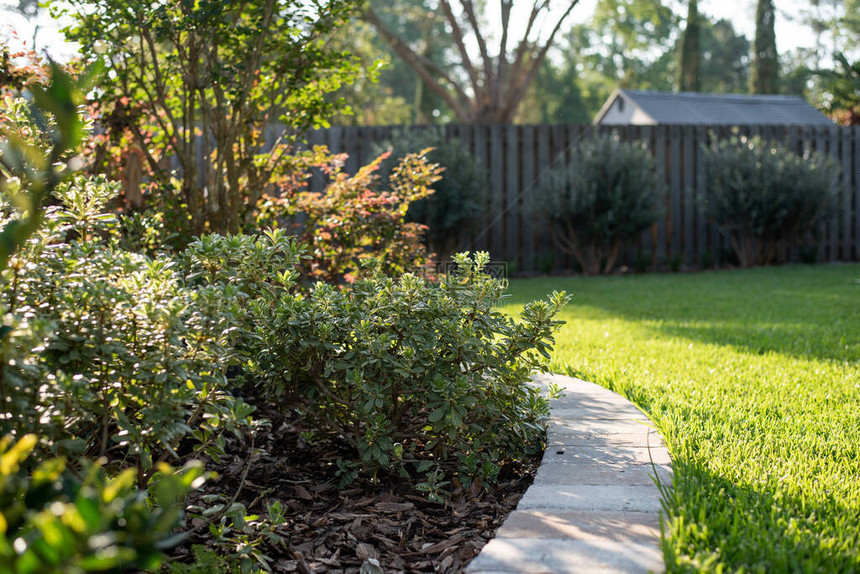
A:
[753,377]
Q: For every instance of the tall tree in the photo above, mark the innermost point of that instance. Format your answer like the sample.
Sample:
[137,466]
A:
[628,43]
[494,81]
[764,73]
[631,43]
[725,64]
[690,56]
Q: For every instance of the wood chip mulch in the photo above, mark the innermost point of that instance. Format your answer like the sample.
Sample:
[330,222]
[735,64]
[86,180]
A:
[332,529]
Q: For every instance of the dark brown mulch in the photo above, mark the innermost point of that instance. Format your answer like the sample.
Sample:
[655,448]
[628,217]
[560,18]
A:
[332,529]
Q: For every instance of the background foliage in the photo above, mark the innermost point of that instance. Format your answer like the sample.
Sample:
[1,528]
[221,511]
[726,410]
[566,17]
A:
[609,194]
[765,196]
[456,202]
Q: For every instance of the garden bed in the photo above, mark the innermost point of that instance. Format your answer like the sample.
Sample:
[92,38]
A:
[333,529]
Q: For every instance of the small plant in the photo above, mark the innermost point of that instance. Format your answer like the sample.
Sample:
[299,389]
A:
[765,196]
[54,521]
[608,195]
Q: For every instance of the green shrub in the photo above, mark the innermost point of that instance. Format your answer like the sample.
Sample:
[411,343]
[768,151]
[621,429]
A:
[765,196]
[110,353]
[456,204]
[411,374]
[51,520]
[608,195]
[113,354]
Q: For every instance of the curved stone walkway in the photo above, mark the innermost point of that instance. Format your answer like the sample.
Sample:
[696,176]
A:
[594,505]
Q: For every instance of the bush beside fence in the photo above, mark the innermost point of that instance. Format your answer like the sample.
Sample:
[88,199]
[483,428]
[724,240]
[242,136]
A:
[517,157]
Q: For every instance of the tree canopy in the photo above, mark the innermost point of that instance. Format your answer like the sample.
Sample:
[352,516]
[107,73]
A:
[485,85]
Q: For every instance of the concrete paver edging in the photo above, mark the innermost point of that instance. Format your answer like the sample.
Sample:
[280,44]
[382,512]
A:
[594,505]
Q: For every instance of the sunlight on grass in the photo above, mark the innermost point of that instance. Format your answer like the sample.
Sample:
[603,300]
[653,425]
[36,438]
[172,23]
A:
[753,377]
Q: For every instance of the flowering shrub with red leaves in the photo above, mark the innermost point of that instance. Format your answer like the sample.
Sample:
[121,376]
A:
[19,68]
[356,218]
[109,150]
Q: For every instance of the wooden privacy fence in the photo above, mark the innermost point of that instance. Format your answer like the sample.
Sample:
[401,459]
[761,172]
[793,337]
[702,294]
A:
[516,157]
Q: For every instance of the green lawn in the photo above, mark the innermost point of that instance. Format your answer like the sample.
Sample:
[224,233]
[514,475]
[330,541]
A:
[753,377]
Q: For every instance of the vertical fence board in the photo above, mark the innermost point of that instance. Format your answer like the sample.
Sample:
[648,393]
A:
[482,240]
[688,198]
[497,162]
[674,225]
[833,224]
[660,157]
[723,238]
[468,237]
[794,142]
[512,197]
[646,136]
[633,248]
[856,171]
[820,145]
[528,159]
[335,139]
[712,231]
[348,146]
[545,245]
[845,252]
[559,154]
[698,150]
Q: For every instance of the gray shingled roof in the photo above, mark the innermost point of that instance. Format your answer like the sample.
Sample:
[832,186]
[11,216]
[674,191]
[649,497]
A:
[725,109]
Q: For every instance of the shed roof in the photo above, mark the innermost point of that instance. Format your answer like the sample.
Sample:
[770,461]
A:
[717,109]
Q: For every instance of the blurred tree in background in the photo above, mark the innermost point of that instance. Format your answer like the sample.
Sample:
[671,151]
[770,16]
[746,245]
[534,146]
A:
[485,88]
[842,90]
[690,55]
[764,73]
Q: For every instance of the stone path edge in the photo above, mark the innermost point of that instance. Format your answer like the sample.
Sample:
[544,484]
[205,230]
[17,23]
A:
[594,505]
